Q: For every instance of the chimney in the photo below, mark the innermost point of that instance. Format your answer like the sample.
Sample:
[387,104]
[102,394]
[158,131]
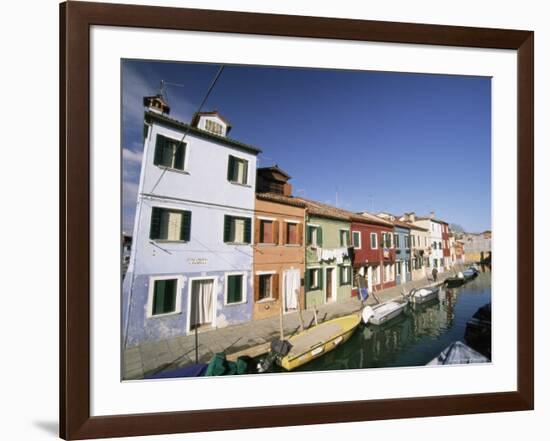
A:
[412,217]
[432,214]
[156,104]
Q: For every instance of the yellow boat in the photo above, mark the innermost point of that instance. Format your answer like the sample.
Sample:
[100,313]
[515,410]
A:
[314,342]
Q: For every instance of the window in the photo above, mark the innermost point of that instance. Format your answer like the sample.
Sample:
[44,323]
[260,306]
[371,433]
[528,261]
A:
[313,278]
[168,224]
[267,233]
[345,275]
[373,241]
[344,238]
[237,170]
[314,235]
[398,268]
[265,287]
[356,236]
[413,238]
[235,288]
[293,233]
[236,229]
[407,266]
[439,245]
[164,296]
[169,153]
[396,240]
[213,126]
[407,241]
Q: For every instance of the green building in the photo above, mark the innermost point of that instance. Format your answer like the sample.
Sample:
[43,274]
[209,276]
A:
[328,274]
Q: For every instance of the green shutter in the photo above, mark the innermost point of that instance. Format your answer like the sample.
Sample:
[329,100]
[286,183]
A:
[158,297]
[319,236]
[308,279]
[169,295]
[159,150]
[164,298]
[245,172]
[308,236]
[247,229]
[234,288]
[231,168]
[227,228]
[179,159]
[155,223]
[185,232]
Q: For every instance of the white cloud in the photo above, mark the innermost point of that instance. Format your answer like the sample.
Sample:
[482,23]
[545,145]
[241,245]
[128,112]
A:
[131,156]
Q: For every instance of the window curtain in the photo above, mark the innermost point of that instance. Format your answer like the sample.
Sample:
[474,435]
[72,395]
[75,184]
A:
[292,288]
[202,302]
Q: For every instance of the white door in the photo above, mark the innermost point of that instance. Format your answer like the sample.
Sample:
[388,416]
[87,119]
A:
[202,302]
[291,289]
[369,278]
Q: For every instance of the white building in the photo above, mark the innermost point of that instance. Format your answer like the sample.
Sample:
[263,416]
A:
[434,236]
[191,258]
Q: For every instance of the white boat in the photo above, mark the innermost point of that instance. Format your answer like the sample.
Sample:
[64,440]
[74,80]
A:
[423,295]
[458,353]
[379,314]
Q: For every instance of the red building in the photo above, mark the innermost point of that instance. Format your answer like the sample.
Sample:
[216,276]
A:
[446,244]
[373,252]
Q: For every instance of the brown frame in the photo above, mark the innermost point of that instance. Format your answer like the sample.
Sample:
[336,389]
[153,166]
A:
[75,21]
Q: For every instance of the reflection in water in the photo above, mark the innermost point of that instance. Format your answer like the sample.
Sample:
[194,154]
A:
[415,337]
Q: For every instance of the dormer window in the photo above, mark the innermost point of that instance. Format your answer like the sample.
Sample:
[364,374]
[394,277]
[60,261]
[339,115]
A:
[213,127]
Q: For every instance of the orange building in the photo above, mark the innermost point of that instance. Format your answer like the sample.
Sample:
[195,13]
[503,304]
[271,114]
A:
[279,252]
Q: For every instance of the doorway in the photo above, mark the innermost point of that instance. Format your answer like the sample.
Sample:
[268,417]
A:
[291,290]
[202,303]
[330,282]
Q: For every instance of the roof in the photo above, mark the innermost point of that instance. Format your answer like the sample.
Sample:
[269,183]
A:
[279,198]
[409,225]
[174,123]
[433,219]
[275,168]
[324,210]
[197,115]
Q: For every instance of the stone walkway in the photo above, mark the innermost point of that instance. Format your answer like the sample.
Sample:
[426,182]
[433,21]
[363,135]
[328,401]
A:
[252,338]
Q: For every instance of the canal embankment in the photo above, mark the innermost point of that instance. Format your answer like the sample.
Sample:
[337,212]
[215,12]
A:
[252,339]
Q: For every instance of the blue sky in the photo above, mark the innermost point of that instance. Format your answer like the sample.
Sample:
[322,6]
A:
[374,141]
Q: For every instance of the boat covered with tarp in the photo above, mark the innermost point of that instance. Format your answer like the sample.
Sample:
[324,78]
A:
[382,313]
[423,295]
[458,353]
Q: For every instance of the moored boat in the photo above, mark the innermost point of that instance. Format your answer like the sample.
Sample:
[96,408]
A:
[458,353]
[383,312]
[456,281]
[318,340]
[423,295]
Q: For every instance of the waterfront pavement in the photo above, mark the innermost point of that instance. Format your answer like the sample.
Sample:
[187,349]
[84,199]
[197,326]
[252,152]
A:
[252,338]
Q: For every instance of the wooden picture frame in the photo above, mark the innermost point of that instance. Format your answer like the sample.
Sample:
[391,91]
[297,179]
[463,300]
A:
[75,21]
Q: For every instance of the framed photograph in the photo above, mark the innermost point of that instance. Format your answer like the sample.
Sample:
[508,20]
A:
[274,220]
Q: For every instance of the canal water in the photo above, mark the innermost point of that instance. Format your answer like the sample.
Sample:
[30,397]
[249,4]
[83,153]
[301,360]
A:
[416,336]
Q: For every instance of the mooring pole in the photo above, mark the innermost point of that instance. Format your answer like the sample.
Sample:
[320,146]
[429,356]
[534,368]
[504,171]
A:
[196,331]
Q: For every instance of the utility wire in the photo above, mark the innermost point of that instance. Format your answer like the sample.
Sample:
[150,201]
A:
[178,146]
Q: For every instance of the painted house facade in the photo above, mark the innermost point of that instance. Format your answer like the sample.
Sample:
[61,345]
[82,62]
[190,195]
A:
[446,245]
[435,238]
[329,272]
[192,255]
[420,247]
[402,241]
[376,260]
[279,249]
